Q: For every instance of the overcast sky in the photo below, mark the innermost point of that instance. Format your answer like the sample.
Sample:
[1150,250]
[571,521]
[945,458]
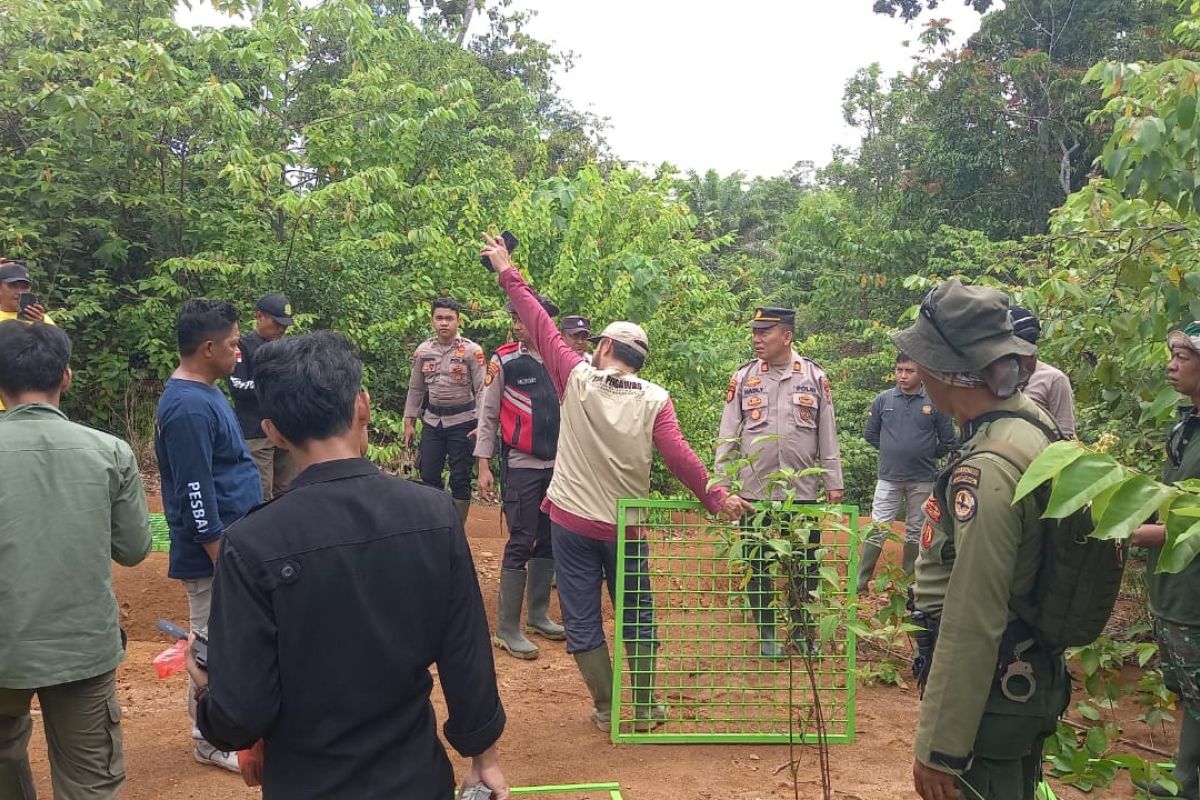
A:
[753,86]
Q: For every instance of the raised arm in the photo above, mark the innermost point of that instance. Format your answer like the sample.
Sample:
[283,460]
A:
[557,355]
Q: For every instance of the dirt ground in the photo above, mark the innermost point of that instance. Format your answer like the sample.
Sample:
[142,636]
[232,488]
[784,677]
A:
[549,739]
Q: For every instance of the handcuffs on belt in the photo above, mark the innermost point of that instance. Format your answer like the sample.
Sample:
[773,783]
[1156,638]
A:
[1018,669]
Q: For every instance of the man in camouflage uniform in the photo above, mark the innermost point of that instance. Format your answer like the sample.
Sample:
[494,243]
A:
[1175,598]
[443,390]
[980,736]
[785,397]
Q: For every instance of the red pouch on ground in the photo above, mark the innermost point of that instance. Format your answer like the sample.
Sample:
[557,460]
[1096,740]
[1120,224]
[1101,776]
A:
[250,762]
[171,660]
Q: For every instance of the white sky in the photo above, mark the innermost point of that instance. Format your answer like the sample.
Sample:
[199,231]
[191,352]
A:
[754,87]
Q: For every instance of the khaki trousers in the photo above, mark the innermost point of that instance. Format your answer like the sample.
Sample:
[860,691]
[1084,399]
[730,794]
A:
[275,466]
[83,737]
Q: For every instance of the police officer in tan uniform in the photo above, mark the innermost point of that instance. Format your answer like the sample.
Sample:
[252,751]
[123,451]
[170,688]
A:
[982,721]
[784,396]
[443,390]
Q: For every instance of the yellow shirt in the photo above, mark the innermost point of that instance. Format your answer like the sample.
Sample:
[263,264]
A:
[5,316]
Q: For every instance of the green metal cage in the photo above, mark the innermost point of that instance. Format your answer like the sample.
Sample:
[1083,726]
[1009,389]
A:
[687,625]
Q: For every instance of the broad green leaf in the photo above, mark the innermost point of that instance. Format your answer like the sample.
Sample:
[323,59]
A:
[1096,741]
[1049,463]
[1080,481]
[1131,505]
[1100,502]
[1180,548]
[1165,399]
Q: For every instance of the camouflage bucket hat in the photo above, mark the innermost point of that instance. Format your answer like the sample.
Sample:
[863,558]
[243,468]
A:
[961,328]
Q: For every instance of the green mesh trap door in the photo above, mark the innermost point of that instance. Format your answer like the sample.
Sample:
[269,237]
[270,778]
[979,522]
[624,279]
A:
[733,645]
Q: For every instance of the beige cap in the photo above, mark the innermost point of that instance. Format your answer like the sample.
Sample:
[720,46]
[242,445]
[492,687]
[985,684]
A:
[626,333]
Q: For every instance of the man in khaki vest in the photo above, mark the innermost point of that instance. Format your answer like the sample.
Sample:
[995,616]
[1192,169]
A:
[612,421]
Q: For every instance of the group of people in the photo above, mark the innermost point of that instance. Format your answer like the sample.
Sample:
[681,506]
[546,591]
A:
[324,607]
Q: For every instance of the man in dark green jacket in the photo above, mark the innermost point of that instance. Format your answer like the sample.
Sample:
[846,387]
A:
[979,737]
[72,500]
[1175,599]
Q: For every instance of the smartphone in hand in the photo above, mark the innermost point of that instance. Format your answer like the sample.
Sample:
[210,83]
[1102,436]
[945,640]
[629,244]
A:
[510,244]
[26,300]
[199,646]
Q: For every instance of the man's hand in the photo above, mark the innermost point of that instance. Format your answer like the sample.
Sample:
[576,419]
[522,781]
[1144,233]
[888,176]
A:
[199,676]
[410,432]
[486,483]
[497,253]
[733,507]
[35,313]
[834,496]
[485,769]
[933,784]
[213,549]
[1149,536]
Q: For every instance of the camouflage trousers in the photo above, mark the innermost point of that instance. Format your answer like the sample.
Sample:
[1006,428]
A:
[1179,646]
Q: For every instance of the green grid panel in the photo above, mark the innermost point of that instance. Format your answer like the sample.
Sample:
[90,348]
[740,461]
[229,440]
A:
[160,537]
[708,670]
[576,790]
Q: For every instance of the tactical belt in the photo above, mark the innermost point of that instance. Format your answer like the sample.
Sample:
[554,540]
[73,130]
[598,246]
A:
[1013,673]
[450,411]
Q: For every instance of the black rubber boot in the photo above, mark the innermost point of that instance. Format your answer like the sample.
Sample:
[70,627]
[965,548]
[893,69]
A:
[509,636]
[647,714]
[537,615]
[911,551]
[866,565]
[596,668]
[759,595]
[1187,764]
[463,507]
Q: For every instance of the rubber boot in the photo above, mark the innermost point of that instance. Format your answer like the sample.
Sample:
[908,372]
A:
[509,635]
[537,617]
[596,668]
[758,593]
[16,781]
[911,550]
[1187,764]
[866,565]
[647,714]
[464,508]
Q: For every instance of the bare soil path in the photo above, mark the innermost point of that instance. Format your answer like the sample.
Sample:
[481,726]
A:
[549,739]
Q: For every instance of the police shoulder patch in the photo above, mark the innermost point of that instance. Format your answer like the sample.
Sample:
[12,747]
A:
[933,509]
[965,475]
[731,390]
[927,535]
[965,504]
[479,357]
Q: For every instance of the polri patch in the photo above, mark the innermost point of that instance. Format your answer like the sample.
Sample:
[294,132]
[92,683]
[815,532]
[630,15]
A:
[753,380]
[965,505]
[927,535]
[731,390]
[965,475]
[828,390]
[933,509]
[479,357]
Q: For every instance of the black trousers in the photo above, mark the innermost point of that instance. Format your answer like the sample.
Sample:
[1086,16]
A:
[442,443]
[802,574]
[528,525]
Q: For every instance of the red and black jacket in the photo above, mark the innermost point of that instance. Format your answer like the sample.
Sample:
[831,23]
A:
[529,413]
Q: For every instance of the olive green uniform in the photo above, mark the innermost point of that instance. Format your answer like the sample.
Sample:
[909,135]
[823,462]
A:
[978,551]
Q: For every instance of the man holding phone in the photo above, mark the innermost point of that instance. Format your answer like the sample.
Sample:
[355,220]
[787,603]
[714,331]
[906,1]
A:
[16,299]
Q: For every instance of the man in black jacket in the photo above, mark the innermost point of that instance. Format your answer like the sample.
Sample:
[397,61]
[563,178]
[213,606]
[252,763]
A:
[331,602]
[272,318]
